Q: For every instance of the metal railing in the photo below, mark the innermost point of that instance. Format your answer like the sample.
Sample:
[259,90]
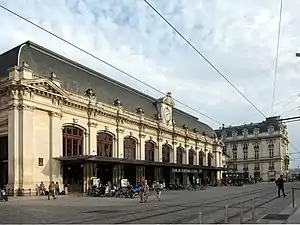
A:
[241,212]
[293,195]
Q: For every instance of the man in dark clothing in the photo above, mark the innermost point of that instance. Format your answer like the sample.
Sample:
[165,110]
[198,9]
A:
[280,184]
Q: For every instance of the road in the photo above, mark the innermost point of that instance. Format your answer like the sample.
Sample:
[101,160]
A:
[175,207]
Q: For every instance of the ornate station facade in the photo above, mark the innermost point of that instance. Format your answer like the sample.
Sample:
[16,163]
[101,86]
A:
[61,121]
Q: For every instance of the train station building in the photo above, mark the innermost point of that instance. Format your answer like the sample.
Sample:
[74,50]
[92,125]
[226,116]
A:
[61,121]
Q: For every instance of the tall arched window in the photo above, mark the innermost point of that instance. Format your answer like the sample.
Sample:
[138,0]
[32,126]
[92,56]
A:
[179,155]
[129,148]
[209,159]
[104,144]
[166,152]
[191,156]
[201,157]
[149,151]
[72,141]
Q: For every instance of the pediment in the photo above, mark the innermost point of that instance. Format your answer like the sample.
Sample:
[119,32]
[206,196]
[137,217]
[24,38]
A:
[47,86]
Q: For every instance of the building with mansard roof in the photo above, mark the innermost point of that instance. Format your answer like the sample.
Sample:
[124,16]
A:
[62,121]
[258,149]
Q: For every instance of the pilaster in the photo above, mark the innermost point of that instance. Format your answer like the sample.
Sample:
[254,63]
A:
[160,144]
[142,146]
[120,142]
[174,152]
[56,146]
[26,157]
[93,131]
[13,147]
[186,155]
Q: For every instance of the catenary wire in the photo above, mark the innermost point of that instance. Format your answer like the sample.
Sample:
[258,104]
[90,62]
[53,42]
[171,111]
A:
[283,101]
[105,62]
[199,53]
[212,65]
[288,103]
[277,54]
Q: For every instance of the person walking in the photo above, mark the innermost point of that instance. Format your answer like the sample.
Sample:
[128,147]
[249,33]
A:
[280,184]
[51,190]
[146,191]
[142,190]
[158,189]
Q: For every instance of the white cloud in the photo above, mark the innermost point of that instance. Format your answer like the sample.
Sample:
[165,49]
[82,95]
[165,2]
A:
[239,37]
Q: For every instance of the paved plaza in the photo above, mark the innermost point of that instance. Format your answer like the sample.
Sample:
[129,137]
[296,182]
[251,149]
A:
[175,207]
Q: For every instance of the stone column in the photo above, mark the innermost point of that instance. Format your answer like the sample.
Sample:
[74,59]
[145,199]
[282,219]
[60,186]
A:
[174,152]
[13,148]
[186,155]
[142,146]
[197,156]
[160,144]
[93,138]
[120,142]
[27,158]
[56,146]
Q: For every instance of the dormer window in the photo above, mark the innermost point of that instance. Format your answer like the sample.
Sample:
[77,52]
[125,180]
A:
[271,130]
[224,134]
[256,132]
[234,134]
[245,133]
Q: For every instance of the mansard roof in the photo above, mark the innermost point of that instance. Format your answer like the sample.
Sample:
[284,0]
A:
[262,126]
[43,62]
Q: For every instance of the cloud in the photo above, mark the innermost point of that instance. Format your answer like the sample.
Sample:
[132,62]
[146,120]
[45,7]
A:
[239,37]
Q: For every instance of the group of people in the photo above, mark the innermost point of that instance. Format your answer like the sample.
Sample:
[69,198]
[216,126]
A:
[144,190]
[53,189]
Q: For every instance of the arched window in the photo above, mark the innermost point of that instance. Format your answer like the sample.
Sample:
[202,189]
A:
[72,141]
[166,150]
[179,155]
[191,156]
[209,159]
[149,151]
[201,158]
[129,148]
[104,144]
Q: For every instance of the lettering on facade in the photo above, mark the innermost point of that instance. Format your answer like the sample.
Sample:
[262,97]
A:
[174,170]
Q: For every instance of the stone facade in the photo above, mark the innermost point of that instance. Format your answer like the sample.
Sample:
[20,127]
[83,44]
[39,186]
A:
[35,108]
[259,149]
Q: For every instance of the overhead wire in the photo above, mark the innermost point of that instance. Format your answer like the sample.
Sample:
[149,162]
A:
[283,101]
[103,61]
[277,54]
[288,103]
[206,59]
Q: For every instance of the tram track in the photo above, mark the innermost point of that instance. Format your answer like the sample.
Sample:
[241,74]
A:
[182,207]
[233,205]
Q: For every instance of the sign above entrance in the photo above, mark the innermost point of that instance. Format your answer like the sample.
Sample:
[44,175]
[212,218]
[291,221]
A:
[186,170]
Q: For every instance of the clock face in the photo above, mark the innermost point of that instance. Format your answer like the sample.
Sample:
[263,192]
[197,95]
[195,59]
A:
[167,114]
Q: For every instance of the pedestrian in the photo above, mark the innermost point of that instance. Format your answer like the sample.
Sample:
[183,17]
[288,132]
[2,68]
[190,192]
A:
[146,191]
[280,184]
[158,189]
[51,190]
[142,189]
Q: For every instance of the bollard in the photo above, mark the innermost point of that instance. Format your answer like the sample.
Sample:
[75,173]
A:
[30,192]
[23,191]
[200,218]
[293,196]
[241,215]
[226,214]
[253,208]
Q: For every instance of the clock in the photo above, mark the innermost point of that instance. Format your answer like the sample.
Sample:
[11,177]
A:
[167,114]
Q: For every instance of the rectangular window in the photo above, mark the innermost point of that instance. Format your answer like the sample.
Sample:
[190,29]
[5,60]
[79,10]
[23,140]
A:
[256,153]
[41,162]
[245,167]
[271,166]
[256,166]
[245,154]
[271,152]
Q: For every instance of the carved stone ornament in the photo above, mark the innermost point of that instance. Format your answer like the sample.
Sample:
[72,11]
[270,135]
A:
[151,138]
[139,111]
[92,124]
[160,139]
[142,135]
[90,93]
[169,100]
[75,121]
[184,127]
[106,128]
[26,107]
[130,134]
[117,103]
[120,130]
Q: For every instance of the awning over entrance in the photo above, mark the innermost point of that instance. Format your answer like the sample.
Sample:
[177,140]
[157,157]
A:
[101,159]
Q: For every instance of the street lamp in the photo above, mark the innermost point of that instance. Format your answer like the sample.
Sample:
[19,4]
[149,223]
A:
[297,54]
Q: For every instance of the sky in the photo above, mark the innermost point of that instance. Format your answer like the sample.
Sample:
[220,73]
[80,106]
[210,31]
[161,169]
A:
[238,37]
